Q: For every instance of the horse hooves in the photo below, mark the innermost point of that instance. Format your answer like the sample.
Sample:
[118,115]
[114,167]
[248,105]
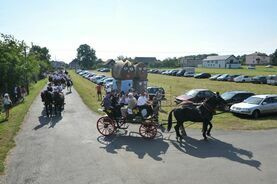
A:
[205,138]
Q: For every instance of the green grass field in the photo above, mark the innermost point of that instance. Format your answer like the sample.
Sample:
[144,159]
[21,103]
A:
[8,129]
[175,86]
[86,90]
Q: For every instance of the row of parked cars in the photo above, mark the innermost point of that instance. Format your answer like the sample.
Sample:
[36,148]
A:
[179,73]
[96,78]
[109,81]
[261,79]
[239,102]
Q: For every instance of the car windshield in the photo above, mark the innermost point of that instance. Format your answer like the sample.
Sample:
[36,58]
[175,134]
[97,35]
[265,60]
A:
[224,75]
[152,90]
[227,95]
[192,93]
[253,100]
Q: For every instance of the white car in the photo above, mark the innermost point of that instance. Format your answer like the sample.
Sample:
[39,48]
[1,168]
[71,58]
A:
[243,78]
[256,105]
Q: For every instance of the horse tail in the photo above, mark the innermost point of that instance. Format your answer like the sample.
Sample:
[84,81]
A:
[169,122]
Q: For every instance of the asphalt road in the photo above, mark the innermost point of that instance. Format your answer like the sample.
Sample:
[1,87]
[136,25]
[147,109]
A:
[70,150]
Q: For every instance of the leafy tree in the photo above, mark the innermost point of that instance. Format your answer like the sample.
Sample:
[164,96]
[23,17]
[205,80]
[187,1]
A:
[274,58]
[17,67]
[42,55]
[86,56]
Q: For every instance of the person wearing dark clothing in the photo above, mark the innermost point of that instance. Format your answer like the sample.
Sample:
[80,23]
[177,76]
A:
[99,92]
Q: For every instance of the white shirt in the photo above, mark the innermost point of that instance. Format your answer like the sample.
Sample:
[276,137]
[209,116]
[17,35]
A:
[142,100]
[108,88]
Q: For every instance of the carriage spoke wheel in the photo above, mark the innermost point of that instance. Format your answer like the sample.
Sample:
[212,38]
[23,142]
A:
[105,126]
[148,131]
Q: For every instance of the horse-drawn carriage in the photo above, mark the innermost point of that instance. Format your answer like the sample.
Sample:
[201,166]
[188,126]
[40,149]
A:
[108,124]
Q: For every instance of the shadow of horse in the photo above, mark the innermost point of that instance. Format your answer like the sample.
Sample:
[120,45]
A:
[216,148]
[44,120]
[136,144]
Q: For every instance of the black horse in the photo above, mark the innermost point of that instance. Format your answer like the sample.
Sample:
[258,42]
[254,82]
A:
[46,97]
[204,113]
[58,100]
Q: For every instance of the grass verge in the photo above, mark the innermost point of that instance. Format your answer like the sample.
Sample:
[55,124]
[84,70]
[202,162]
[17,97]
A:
[86,90]
[8,129]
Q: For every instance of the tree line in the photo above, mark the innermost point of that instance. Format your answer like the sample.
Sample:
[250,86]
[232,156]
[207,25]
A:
[86,59]
[21,64]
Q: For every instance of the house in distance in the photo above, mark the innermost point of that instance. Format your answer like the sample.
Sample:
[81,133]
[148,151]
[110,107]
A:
[224,61]
[257,58]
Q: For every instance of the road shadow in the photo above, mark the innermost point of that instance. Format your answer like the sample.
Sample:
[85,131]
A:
[55,120]
[136,144]
[44,120]
[68,92]
[216,148]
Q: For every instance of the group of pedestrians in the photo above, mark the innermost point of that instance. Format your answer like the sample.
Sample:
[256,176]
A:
[8,101]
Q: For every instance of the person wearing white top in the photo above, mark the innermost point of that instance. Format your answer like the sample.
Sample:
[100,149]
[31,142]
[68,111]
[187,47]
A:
[142,100]
[7,105]
[142,105]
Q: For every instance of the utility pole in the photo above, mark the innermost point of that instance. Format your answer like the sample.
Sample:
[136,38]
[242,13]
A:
[26,76]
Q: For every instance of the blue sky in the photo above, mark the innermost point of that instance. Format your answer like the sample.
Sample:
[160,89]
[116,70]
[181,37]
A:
[159,28]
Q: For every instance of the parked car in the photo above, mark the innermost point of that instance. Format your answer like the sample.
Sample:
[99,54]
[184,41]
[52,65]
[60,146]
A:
[256,105]
[194,95]
[101,80]
[78,71]
[251,67]
[214,77]
[97,77]
[259,80]
[180,73]
[268,66]
[202,75]
[272,80]
[231,78]
[189,74]
[232,97]
[174,72]
[105,70]
[165,72]
[243,78]
[153,90]
[223,77]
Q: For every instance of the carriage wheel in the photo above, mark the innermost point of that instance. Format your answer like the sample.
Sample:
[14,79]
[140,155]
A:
[105,126]
[148,131]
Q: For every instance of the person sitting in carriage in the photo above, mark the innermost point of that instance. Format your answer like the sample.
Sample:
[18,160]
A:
[132,103]
[107,105]
[143,105]
[156,107]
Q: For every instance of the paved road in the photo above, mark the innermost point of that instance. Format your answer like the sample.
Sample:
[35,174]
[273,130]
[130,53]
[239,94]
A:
[70,150]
